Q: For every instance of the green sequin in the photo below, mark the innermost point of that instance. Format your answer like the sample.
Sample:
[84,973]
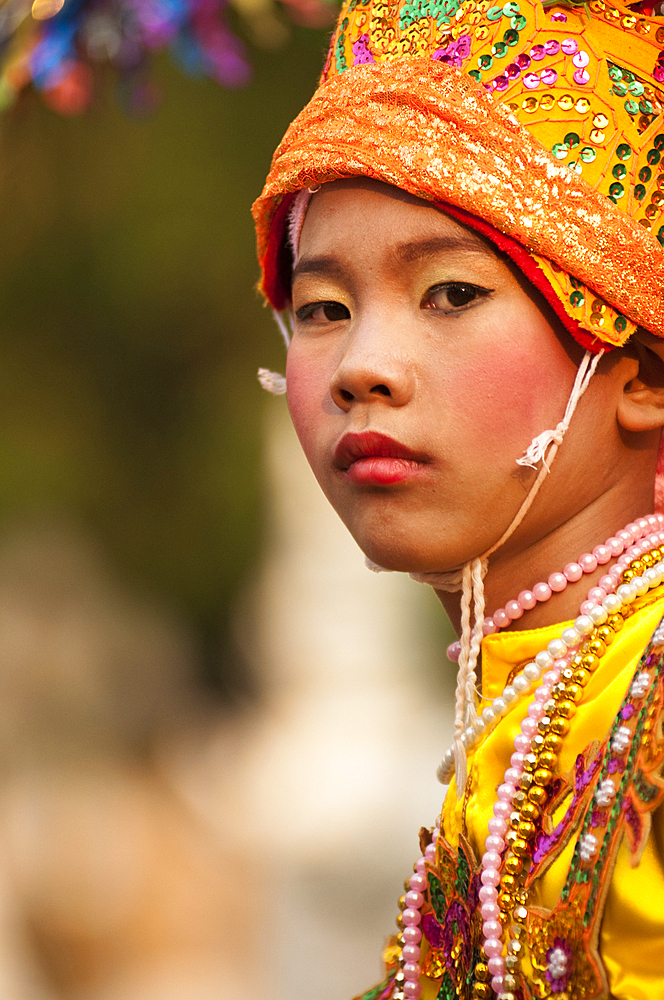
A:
[646,107]
[560,150]
[499,50]
[615,72]
[644,788]
[653,157]
[447,990]
[616,190]
[645,173]
[620,89]
[437,897]
[419,10]
[631,107]
[577,299]
[623,152]
[462,880]
[639,192]
[660,236]
[619,171]
[494,13]
[588,154]
[519,22]
[340,54]
[476,75]
[636,88]
[575,283]
[377,991]
[658,141]
[620,324]
[572,140]
[511,36]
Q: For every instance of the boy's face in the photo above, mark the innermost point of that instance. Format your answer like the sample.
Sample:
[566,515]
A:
[408,326]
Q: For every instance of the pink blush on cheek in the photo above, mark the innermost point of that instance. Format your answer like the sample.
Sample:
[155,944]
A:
[515,393]
[309,400]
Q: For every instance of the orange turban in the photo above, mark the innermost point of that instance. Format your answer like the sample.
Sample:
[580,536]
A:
[542,126]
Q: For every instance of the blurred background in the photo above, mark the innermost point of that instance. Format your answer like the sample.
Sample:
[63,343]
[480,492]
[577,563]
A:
[218,731]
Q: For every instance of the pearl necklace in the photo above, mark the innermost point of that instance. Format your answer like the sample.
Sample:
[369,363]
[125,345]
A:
[587,563]
[504,893]
[565,665]
[634,540]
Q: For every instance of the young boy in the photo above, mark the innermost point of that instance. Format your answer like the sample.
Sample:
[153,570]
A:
[466,226]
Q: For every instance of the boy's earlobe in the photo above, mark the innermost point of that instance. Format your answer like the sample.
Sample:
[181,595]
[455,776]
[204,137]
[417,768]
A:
[641,407]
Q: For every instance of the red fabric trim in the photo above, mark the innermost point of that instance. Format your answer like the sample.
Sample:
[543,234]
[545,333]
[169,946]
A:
[277,267]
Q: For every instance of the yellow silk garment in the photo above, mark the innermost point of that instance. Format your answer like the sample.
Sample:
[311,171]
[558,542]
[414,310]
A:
[631,932]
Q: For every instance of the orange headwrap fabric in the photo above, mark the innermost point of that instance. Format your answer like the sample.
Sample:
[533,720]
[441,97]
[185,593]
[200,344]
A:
[545,127]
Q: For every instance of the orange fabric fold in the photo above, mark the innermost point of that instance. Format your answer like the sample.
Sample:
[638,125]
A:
[424,127]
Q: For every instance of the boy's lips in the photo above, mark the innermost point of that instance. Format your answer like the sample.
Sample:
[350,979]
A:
[374,459]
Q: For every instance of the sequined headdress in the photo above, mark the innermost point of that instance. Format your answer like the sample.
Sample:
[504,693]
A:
[540,126]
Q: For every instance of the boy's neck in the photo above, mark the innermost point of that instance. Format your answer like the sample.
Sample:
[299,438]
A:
[523,565]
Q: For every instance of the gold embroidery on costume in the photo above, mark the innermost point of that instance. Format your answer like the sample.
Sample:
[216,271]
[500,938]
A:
[611,795]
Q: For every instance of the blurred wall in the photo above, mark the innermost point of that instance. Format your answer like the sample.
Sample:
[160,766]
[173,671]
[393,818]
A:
[218,731]
[130,331]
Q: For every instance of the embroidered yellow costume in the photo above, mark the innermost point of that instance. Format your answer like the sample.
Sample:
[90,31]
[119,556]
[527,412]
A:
[542,127]
[629,926]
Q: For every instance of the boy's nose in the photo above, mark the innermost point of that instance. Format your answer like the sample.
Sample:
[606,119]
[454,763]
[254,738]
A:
[366,374]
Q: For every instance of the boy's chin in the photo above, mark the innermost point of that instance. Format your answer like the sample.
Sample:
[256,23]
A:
[406,558]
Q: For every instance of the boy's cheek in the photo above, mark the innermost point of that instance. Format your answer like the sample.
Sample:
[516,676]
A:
[500,393]
[305,392]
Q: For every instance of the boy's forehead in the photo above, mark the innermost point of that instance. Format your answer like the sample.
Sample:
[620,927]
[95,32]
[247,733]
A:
[343,209]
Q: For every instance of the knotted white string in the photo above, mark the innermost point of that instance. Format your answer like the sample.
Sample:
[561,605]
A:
[272,381]
[281,323]
[539,446]
[465,713]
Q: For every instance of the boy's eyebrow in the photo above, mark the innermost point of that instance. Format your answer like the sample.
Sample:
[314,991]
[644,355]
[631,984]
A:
[323,264]
[406,253]
[415,250]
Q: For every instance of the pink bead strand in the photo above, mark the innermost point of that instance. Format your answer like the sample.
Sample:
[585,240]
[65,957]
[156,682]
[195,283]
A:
[625,543]
[625,546]
[493,945]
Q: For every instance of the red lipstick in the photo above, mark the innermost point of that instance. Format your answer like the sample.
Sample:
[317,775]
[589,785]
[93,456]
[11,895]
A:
[373,459]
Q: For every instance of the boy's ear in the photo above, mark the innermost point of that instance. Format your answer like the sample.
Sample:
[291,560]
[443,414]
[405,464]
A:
[641,407]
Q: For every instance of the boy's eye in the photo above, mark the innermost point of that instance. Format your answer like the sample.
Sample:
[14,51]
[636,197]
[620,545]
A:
[454,295]
[323,312]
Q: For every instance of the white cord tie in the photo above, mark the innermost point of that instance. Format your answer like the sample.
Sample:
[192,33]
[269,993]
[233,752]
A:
[538,449]
[272,381]
[281,323]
